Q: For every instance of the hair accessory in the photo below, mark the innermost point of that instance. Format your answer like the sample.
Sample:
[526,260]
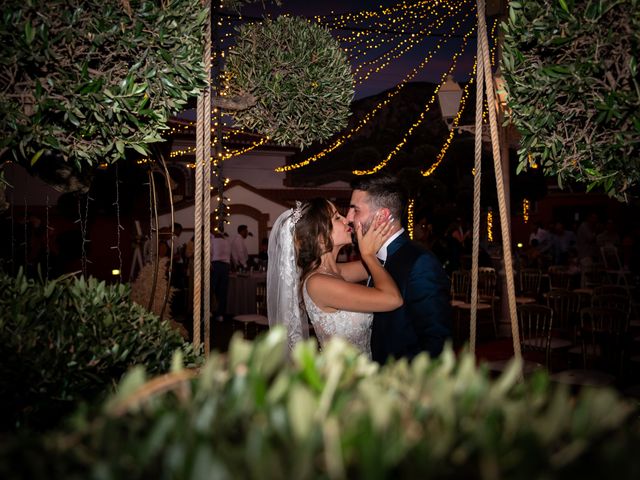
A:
[297,212]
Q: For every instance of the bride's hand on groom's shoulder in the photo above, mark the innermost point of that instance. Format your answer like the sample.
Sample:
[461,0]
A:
[378,233]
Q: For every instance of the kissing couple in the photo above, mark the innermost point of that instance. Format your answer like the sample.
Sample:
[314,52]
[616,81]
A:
[393,302]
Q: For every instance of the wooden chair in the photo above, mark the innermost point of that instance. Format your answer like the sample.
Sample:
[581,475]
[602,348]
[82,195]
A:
[592,276]
[610,290]
[559,277]
[460,286]
[254,322]
[535,323]
[616,272]
[487,298]
[619,302]
[566,306]
[528,284]
[601,333]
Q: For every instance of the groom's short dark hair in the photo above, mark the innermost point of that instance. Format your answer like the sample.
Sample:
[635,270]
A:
[385,191]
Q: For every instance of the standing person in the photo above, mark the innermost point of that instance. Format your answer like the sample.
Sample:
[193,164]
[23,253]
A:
[423,323]
[220,267]
[563,241]
[239,252]
[586,240]
[179,274]
[609,237]
[303,250]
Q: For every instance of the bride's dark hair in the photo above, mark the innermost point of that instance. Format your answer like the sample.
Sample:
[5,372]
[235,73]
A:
[313,235]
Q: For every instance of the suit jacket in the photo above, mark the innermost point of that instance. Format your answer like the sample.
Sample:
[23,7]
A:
[423,323]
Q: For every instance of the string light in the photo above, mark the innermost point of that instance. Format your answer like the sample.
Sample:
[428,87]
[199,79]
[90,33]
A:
[489,225]
[422,116]
[343,138]
[410,208]
[525,210]
[397,51]
[452,131]
[456,120]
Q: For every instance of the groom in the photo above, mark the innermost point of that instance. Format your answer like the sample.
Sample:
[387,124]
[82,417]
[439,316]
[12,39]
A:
[423,323]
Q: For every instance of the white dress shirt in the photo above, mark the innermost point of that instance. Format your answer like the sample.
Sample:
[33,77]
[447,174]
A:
[382,253]
[239,252]
[220,249]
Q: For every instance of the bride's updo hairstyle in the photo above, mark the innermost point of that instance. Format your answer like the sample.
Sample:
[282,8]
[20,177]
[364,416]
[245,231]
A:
[313,234]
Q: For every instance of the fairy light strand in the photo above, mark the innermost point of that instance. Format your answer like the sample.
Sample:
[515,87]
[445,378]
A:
[343,138]
[410,209]
[456,120]
[422,115]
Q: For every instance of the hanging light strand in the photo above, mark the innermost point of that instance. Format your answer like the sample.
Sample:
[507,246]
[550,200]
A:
[369,41]
[343,138]
[403,47]
[456,120]
[422,115]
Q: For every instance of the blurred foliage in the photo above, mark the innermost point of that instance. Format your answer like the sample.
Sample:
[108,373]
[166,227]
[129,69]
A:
[89,79]
[258,414]
[299,76]
[70,340]
[571,68]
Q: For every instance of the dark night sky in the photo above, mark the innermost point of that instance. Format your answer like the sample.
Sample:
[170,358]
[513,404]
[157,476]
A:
[395,72]
[400,67]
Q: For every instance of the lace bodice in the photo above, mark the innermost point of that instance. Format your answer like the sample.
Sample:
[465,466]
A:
[355,327]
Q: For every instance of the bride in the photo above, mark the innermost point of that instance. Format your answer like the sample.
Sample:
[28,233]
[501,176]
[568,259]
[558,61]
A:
[303,248]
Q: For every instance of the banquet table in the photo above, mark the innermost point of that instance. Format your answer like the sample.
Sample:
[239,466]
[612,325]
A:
[241,298]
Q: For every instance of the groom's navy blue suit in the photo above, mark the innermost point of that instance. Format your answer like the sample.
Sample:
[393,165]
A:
[423,323]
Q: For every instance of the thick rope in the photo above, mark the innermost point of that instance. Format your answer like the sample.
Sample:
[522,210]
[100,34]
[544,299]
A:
[495,145]
[476,199]
[201,124]
[206,182]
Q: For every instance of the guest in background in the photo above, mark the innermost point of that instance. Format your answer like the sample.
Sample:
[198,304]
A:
[164,237]
[543,237]
[586,240]
[220,267]
[455,240]
[562,241]
[179,273]
[239,252]
[609,237]
[423,232]
[263,254]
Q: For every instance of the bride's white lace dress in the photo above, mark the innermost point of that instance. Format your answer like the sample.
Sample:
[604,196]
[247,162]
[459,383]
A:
[355,327]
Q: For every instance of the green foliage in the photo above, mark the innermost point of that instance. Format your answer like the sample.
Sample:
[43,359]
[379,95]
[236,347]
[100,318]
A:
[574,92]
[69,340]
[299,76]
[255,414]
[88,80]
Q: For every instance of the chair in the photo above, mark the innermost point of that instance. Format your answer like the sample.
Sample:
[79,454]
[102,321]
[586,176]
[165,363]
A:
[258,320]
[487,299]
[535,323]
[601,333]
[613,266]
[528,285]
[460,286]
[559,277]
[619,302]
[565,305]
[592,276]
[610,290]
